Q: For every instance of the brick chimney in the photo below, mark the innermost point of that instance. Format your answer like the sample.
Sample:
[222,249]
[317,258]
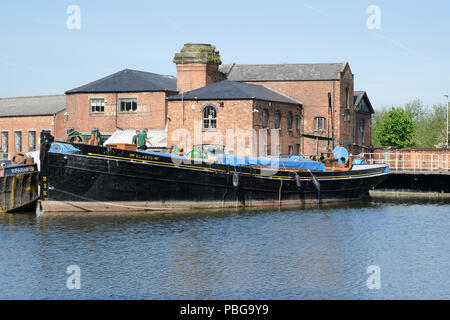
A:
[197,66]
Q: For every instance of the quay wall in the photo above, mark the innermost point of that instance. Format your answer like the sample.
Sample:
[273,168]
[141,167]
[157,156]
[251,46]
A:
[423,182]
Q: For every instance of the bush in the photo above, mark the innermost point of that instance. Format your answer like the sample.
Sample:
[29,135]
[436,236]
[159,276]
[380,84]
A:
[428,126]
[396,129]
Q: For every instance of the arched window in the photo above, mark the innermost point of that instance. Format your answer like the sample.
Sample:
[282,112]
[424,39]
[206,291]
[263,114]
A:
[265,118]
[277,119]
[289,120]
[209,117]
[319,123]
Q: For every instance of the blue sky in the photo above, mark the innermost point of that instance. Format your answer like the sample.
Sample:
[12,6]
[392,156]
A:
[407,58]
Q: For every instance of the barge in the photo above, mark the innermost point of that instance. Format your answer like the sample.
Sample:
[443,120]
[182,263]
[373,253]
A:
[83,177]
[18,186]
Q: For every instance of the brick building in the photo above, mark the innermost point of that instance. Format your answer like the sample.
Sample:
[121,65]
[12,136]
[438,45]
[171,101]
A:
[326,91]
[362,124]
[313,107]
[128,99]
[328,117]
[23,118]
[236,115]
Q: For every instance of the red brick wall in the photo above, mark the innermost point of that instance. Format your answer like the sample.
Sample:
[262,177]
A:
[151,111]
[363,146]
[234,115]
[345,129]
[192,76]
[286,137]
[314,96]
[24,125]
[60,124]
[412,159]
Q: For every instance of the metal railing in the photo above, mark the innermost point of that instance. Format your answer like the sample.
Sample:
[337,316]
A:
[411,161]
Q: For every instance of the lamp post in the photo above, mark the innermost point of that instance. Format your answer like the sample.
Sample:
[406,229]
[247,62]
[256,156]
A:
[446,132]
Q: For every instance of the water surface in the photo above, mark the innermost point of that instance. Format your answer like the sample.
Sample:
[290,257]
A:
[294,254]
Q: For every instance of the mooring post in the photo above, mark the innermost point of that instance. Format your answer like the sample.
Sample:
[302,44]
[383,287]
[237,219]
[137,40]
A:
[46,139]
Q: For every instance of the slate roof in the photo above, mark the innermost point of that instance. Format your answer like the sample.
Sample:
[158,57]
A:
[282,72]
[232,90]
[358,96]
[129,81]
[32,106]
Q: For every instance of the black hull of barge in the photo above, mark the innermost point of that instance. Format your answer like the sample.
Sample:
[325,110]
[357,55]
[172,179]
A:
[113,175]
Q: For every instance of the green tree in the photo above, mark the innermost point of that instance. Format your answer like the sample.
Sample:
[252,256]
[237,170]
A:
[430,127]
[395,129]
[376,121]
[429,124]
[416,108]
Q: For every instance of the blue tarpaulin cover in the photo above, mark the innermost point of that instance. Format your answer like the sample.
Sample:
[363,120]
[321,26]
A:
[271,162]
[232,160]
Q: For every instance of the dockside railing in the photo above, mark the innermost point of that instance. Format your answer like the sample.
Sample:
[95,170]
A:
[411,161]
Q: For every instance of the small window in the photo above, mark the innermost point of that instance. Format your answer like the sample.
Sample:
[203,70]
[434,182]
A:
[128,105]
[31,140]
[297,149]
[361,129]
[289,120]
[209,117]
[97,105]
[346,97]
[347,115]
[319,123]
[5,141]
[18,140]
[290,149]
[297,122]
[265,118]
[277,119]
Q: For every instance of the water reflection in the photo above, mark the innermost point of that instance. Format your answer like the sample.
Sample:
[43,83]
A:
[288,254]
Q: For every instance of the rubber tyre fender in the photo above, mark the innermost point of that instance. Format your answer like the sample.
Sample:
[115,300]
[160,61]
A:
[235,180]
[298,182]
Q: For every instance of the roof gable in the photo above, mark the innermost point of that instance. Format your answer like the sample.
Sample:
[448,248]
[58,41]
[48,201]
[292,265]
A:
[362,102]
[232,90]
[129,81]
[283,72]
[32,106]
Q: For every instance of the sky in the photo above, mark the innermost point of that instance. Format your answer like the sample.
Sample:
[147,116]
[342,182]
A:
[398,51]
